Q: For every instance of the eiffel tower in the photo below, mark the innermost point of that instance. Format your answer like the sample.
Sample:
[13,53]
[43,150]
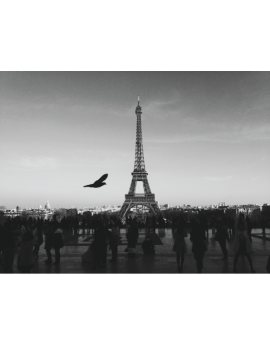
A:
[144,200]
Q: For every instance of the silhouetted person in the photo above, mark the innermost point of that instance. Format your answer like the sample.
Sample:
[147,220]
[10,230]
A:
[129,220]
[198,238]
[49,242]
[148,246]
[132,237]
[173,223]
[83,224]
[221,237]
[263,224]
[70,225]
[149,223]
[161,222]
[104,227]
[268,265]
[88,225]
[57,243]
[25,260]
[113,243]
[231,222]
[95,222]
[8,247]
[204,223]
[76,225]
[100,246]
[1,231]
[213,224]
[98,183]
[38,239]
[241,244]
[249,228]
[154,224]
[179,244]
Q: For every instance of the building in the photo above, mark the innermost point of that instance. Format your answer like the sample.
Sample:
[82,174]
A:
[142,202]
[72,212]
[47,206]
[266,210]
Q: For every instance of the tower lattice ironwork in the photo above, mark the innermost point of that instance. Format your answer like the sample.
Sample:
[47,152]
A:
[146,199]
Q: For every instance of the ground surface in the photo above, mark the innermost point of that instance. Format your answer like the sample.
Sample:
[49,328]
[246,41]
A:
[163,262]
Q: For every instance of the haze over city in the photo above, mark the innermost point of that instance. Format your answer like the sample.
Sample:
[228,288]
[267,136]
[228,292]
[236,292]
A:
[205,135]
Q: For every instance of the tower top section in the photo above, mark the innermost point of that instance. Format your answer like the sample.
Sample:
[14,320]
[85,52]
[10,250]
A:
[139,165]
[138,109]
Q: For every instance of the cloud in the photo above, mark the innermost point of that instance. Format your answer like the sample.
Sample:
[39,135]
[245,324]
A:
[219,178]
[35,163]
[256,132]
[249,166]
[222,133]
[228,125]
[254,178]
[215,138]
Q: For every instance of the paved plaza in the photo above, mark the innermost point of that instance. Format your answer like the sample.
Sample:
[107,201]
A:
[164,261]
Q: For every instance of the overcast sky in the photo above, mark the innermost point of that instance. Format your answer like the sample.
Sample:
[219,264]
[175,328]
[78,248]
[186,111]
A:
[206,136]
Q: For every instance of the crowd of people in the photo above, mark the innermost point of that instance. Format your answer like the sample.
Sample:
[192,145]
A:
[223,229]
[25,236]
[104,239]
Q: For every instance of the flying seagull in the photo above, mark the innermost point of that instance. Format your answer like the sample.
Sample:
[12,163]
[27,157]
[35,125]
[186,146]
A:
[98,183]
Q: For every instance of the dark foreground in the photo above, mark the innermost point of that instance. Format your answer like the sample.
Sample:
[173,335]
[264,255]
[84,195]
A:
[164,261]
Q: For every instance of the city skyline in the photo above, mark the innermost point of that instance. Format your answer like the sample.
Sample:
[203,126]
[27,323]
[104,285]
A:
[168,205]
[205,136]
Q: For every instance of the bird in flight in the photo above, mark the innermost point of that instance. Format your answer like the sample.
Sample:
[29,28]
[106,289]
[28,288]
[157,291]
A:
[98,183]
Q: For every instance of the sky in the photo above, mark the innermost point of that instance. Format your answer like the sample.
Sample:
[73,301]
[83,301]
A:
[206,137]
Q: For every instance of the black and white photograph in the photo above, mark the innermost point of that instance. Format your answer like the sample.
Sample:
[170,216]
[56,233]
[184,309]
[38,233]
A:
[134,172]
[98,179]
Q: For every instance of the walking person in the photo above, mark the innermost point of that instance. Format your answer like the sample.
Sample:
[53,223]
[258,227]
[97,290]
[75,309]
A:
[198,238]
[25,260]
[263,224]
[149,223]
[38,239]
[113,244]
[132,237]
[268,265]
[179,244]
[173,223]
[57,244]
[213,224]
[154,224]
[249,228]
[222,236]
[241,243]
[204,223]
[1,244]
[161,222]
[99,245]
[83,224]
[88,225]
[231,226]
[49,242]
[8,243]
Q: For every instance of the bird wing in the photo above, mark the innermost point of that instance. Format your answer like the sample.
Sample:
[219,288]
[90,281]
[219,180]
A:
[103,178]
[89,185]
